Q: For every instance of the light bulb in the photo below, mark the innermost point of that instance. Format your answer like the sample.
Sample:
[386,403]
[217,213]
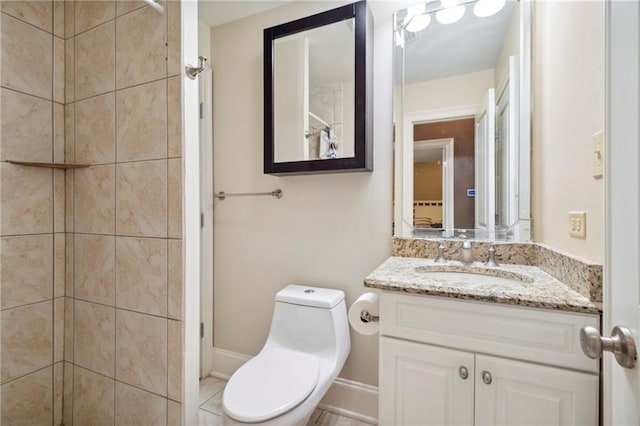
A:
[451,13]
[485,8]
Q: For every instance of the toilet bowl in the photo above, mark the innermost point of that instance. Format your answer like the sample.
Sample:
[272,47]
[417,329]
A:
[307,346]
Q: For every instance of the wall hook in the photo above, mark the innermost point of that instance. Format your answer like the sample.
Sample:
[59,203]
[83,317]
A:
[192,72]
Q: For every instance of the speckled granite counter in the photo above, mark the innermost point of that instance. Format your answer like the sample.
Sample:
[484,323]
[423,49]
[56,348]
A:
[533,288]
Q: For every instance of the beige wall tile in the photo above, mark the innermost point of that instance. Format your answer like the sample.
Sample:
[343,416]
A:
[69,134]
[69,265]
[125,6]
[58,133]
[68,328]
[141,199]
[94,59]
[174,278]
[69,69]
[173,37]
[142,122]
[26,339]
[138,407]
[69,199]
[58,329]
[31,213]
[174,117]
[95,126]
[174,413]
[58,393]
[93,398]
[95,268]
[27,58]
[69,18]
[141,50]
[94,200]
[58,200]
[37,13]
[174,360]
[141,275]
[59,267]
[26,263]
[58,69]
[141,347]
[91,13]
[174,198]
[28,400]
[67,408]
[94,337]
[58,18]
[26,127]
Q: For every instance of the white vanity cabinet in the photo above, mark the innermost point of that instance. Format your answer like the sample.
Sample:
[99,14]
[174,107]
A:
[453,362]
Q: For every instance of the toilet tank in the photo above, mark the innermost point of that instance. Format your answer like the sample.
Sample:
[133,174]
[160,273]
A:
[311,320]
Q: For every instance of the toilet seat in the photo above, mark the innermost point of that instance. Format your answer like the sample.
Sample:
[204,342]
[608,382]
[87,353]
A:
[270,384]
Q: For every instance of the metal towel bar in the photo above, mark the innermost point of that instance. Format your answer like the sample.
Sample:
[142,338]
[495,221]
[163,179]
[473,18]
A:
[222,195]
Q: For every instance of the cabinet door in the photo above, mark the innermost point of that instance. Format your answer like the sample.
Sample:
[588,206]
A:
[521,393]
[422,385]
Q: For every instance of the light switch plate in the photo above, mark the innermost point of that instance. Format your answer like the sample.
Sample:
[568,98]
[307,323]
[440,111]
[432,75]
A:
[578,224]
[598,159]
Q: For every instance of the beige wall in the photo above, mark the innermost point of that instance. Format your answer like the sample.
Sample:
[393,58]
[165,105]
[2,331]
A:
[568,107]
[328,230]
[427,180]
[32,242]
[114,265]
[510,46]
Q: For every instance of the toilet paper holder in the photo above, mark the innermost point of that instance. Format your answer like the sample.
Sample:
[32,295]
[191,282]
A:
[365,316]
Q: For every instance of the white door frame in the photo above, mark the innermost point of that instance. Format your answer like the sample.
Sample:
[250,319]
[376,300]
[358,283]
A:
[403,212]
[621,387]
[190,216]
[447,177]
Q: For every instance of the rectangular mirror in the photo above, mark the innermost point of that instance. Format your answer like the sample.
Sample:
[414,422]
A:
[317,98]
[462,120]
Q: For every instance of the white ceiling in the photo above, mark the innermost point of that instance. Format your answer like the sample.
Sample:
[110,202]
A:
[469,45]
[218,12]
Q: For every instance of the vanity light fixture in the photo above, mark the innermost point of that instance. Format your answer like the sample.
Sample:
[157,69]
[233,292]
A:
[451,13]
[418,19]
[486,8]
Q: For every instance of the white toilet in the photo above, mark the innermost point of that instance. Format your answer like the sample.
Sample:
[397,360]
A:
[307,346]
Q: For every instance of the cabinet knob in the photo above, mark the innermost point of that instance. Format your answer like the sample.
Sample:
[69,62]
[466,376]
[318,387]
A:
[486,377]
[464,372]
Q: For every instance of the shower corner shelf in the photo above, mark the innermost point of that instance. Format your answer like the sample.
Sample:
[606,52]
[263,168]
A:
[63,166]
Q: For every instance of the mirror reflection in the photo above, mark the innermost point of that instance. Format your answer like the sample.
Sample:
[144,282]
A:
[462,120]
[313,77]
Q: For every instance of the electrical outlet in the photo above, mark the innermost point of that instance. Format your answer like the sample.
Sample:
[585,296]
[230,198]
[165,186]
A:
[578,224]
[598,160]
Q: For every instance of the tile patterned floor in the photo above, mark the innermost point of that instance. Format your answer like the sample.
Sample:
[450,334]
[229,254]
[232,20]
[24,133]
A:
[211,408]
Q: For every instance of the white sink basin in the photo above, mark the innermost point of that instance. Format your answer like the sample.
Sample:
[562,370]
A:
[471,275]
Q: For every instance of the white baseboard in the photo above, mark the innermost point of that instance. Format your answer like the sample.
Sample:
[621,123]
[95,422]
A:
[344,397]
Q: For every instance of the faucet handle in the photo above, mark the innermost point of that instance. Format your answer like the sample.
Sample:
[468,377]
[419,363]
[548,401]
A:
[440,258]
[491,259]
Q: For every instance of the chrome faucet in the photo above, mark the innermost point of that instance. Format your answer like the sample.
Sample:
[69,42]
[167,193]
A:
[491,259]
[466,253]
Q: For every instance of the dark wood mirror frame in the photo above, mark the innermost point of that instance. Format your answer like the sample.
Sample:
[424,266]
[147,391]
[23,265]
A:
[363,107]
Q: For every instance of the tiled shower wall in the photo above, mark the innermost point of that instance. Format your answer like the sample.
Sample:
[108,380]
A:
[31,213]
[107,237]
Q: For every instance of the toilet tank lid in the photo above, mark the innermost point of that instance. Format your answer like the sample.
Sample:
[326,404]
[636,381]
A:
[310,296]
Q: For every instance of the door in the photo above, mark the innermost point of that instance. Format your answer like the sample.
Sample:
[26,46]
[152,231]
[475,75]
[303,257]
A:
[621,399]
[424,385]
[205,82]
[485,163]
[520,393]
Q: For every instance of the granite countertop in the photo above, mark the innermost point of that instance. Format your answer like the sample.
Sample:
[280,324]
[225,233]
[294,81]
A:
[522,285]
